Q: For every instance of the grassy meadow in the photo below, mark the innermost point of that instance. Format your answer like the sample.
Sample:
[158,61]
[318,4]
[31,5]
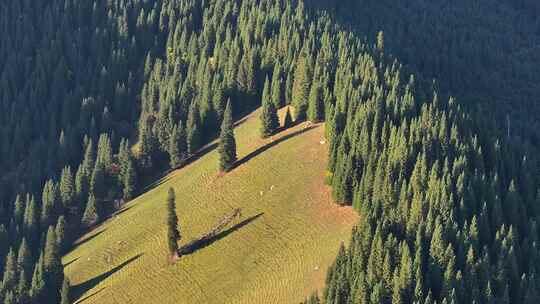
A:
[277,252]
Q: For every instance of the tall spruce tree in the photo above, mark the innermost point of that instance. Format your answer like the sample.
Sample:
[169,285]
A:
[54,275]
[193,129]
[97,181]
[227,143]
[278,94]
[301,86]
[177,146]
[90,215]
[10,271]
[269,118]
[173,233]
[316,103]
[129,178]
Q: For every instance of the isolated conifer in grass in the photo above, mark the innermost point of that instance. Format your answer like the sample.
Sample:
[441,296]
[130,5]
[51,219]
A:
[173,234]
[227,143]
[90,215]
[269,117]
[287,123]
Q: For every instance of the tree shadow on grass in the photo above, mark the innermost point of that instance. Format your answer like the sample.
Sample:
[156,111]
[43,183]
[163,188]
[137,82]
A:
[71,262]
[122,210]
[81,242]
[78,290]
[89,296]
[200,244]
[163,177]
[270,145]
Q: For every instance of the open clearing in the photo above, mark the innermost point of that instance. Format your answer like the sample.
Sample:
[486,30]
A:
[278,252]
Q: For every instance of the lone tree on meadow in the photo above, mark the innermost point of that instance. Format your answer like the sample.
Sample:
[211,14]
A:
[269,117]
[173,234]
[227,143]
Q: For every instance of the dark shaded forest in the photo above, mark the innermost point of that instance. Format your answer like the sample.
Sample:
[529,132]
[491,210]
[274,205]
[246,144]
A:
[97,97]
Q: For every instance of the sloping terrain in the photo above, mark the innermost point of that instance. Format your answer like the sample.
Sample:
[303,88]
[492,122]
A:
[277,252]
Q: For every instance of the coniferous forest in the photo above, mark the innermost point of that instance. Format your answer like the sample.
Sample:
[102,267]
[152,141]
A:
[430,109]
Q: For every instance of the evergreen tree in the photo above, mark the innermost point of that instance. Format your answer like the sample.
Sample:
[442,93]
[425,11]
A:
[89,157]
[316,103]
[287,122]
[278,95]
[147,144]
[269,118]
[64,293]
[82,187]
[300,90]
[129,178]
[38,282]
[52,265]
[60,231]
[24,257]
[23,288]
[104,152]
[177,146]
[90,215]
[50,200]
[67,188]
[227,143]
[18,212]
[10,271]
[193,129]
[97,181]
[173,234]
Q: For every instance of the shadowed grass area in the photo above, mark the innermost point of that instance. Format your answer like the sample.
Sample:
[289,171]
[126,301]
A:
[278,253]
[200,244]
[79,289]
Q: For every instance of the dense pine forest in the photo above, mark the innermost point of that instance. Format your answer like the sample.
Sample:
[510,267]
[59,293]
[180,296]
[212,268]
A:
[429,109]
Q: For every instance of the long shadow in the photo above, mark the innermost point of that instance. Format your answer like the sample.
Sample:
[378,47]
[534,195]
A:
[160,178]
[272,144]
[79,243]
[200,244]
[89,296]
[163,176]
[80,289]
[202,152]
[71,262]
[121,211]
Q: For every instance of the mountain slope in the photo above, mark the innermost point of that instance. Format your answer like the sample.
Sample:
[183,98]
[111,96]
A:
[278,252]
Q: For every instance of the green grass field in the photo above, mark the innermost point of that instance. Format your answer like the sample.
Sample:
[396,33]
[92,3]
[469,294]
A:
[278,252]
